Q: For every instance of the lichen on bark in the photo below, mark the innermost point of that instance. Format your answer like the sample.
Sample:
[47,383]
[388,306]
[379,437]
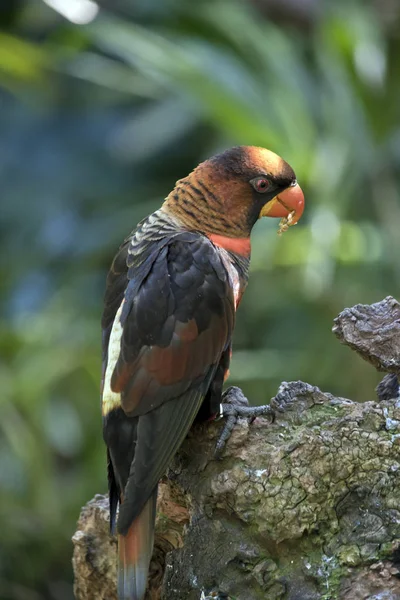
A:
[305,507]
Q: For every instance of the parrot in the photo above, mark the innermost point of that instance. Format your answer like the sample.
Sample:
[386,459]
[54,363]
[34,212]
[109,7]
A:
[169,313]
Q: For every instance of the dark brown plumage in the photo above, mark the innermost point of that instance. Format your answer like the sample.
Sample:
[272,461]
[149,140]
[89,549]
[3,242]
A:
[169,314]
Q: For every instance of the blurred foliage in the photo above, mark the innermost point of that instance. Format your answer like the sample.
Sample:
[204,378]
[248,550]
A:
[97,121]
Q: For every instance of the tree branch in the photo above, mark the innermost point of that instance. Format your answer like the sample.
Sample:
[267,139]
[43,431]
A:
[303,508]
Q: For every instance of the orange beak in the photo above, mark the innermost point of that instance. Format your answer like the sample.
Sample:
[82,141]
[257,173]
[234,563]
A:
[291,199]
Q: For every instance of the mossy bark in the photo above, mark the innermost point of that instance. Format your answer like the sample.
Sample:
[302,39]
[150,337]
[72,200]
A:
[305,507]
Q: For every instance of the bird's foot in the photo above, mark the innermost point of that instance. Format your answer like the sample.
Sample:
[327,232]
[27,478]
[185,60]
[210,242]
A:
[235,405]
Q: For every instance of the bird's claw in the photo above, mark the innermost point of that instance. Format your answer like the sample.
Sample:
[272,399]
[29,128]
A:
[235,405]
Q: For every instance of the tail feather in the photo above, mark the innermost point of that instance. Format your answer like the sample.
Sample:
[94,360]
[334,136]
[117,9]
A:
[134,553]
[113,494]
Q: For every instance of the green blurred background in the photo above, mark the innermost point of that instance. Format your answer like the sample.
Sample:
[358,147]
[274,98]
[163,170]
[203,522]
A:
[100,113]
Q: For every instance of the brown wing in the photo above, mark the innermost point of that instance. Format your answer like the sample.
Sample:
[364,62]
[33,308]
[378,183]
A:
[176,321]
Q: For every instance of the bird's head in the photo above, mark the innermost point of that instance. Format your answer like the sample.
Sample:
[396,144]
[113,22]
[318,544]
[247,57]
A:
[228,193]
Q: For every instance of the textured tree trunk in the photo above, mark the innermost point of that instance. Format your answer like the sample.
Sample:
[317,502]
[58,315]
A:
[305,507]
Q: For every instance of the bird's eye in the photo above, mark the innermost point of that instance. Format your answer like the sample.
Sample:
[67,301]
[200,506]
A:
[260,184]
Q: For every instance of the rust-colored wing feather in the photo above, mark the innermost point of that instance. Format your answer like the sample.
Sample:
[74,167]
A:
[175,326]
[176,321]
